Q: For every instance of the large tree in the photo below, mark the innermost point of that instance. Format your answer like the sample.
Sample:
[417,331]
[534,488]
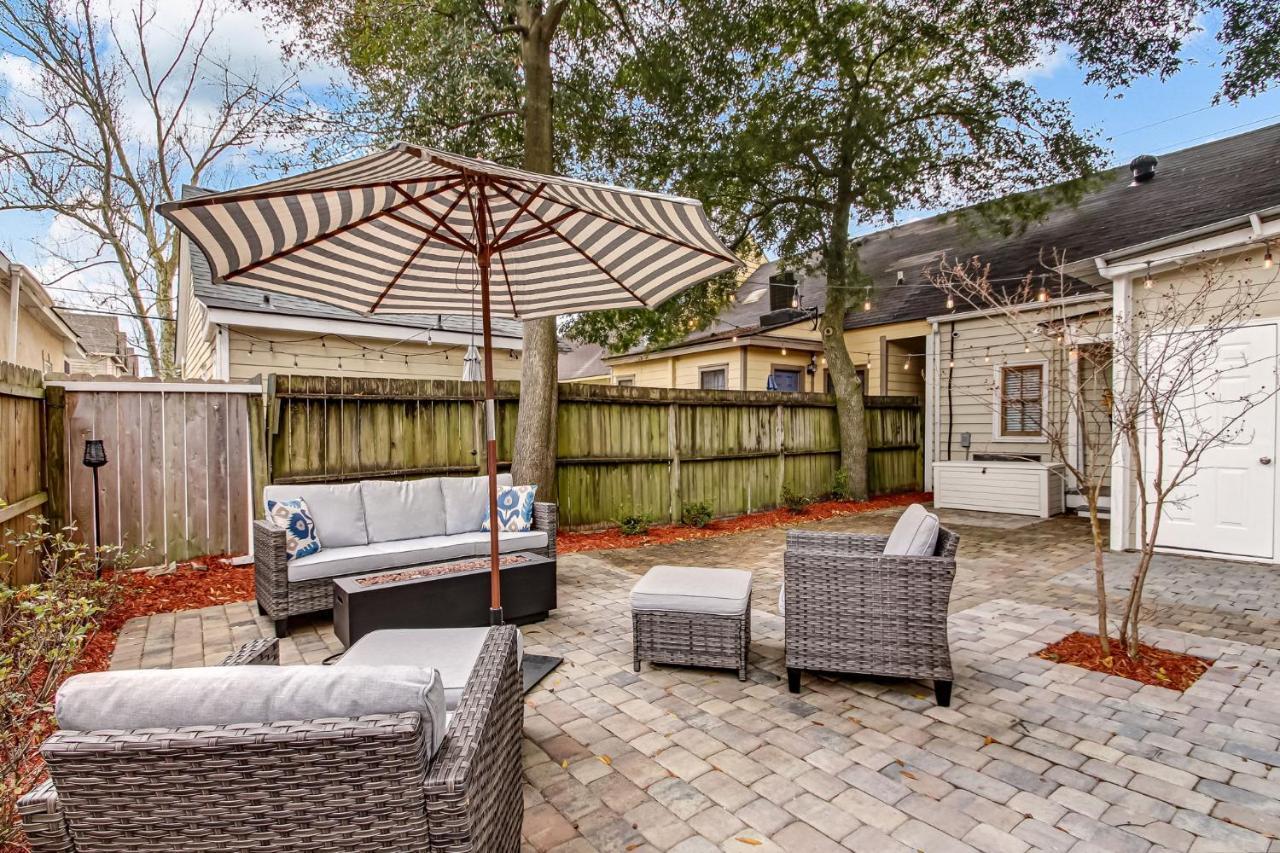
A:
[802,120]
[510,80]
[113,111]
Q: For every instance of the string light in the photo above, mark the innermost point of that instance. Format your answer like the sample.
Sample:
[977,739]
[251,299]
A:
[951,362]
[784,350]
[906,365]
[735,339]
[986,359]
[1266,259]
[1026,347]
[951,302]
[1147,281]
[795,301]
[866,306]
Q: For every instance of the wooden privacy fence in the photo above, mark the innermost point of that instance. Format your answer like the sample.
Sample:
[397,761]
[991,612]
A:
[647,450]
[177,483]
[22,485]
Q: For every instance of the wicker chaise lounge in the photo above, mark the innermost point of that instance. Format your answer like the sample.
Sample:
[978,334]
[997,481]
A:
[851,608]
[368,783]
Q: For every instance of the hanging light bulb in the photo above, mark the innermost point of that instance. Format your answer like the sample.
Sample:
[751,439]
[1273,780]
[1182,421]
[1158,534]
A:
[906,365]
[1026,347]
[986,359]
[795,301]
[1147,281]
[1266,259]
[866,306]
[1043,295]
[951,362]
[951,302]
[784,350]
[735,339]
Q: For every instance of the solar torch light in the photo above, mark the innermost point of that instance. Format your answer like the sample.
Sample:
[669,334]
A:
[95,456]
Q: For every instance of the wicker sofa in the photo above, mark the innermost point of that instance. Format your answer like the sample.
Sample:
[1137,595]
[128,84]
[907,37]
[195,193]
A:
[375,525]
[851,608]
[367,783]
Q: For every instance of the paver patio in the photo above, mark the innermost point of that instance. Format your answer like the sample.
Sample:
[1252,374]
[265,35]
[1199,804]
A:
[1031,755]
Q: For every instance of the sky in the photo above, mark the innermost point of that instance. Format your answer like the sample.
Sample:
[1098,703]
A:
[1151,116]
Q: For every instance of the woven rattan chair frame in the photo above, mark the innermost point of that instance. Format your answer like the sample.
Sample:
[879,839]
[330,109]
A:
[279,598]
[692,639]
[346,784]
[851,609]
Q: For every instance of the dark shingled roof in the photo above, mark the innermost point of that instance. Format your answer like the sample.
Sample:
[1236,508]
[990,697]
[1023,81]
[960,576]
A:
[1192,188]
[240,297]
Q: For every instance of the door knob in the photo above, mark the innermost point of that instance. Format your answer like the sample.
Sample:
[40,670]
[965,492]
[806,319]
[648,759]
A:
[1266,460]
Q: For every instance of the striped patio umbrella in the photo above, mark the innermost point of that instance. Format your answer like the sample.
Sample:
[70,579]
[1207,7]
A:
[406,230]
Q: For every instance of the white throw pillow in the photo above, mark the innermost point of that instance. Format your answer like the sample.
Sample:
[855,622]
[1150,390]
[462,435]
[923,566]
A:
[915,534]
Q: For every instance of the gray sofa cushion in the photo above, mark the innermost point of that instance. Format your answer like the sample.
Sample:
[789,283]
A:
[688,589]
[403,509]
[333,562]
[451,651]
[464,501]
[477,541]
[220,695]
[915,534]
[336,508]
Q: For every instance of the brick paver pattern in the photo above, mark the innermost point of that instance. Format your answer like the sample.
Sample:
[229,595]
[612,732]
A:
[1031,756]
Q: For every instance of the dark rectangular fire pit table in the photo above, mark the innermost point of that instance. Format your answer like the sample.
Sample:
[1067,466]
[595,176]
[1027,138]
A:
[452,594]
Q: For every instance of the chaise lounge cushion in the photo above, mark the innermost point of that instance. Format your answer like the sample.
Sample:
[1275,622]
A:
[465,499]
[403,509]
[687,589]
[915,534]
[226,695]
[453,653]
[336,508]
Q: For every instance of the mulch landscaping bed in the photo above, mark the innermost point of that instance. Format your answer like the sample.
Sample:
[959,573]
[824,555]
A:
[1157,667]
[572,543]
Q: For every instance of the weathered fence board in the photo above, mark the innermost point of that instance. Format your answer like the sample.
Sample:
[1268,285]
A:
[22,484]
[178,480]
[645,450]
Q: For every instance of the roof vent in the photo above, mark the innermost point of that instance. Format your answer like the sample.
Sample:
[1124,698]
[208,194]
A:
[1143,169]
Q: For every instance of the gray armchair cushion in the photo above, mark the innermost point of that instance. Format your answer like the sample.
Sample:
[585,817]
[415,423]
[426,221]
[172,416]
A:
[451,651]
[222,695]
[915,534]
[687,589]
[465,499]
[403,509]
[336,508]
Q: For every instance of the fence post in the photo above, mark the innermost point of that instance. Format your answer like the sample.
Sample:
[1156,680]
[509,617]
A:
[55,460]
[259,455]
[673,450]
[779,440]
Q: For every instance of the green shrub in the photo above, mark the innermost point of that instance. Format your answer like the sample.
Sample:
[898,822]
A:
[43,630]
[633,523]
[840,488]
[696,514]
[795,502]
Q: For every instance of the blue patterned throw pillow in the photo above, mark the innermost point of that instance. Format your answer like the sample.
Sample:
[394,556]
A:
[300,539]
[515,509]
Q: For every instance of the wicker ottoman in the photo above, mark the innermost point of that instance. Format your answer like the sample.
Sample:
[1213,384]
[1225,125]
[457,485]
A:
[692,616]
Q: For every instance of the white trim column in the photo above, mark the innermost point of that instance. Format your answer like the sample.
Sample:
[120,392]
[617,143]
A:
[930,403]
[1121,463]
[15,291]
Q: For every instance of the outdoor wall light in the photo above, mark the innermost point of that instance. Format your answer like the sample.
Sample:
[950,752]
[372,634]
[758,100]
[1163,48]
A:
[95,456]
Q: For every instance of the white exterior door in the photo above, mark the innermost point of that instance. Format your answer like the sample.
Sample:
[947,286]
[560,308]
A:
[1227,506]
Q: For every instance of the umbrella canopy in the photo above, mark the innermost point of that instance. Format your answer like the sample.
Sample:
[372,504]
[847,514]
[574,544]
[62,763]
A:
[391,232]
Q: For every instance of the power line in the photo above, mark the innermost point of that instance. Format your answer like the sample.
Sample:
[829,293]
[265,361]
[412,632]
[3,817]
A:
[76,309]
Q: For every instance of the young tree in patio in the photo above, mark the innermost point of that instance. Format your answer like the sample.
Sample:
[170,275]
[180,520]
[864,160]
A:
[119,109]
[1130,387]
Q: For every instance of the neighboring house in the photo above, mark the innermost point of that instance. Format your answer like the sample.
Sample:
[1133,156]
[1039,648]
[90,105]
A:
[230,331]
[584,363]
[1139,238]
[106,348]
[32,332]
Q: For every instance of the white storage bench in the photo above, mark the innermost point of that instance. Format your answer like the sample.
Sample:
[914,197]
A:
[1017,487]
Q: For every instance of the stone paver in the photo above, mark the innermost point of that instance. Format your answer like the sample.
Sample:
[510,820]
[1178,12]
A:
[1031,755]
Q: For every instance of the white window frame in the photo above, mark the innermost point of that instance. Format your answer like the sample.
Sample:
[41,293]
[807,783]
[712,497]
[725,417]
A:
[997,408]
[713,368]
[626,380]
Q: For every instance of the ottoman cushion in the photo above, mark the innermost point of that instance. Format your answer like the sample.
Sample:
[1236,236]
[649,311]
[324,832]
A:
[688,589]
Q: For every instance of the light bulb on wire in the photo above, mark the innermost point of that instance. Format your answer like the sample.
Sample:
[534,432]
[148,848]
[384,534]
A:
[1266,259]
[951,302]
[1146,282]
[866,306]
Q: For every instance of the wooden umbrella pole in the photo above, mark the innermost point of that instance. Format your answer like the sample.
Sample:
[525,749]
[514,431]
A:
[483,258]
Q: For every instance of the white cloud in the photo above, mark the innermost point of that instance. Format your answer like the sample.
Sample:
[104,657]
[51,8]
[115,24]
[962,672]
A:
[1048,59]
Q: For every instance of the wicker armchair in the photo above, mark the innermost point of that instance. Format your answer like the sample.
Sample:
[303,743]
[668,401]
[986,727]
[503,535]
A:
[349,784]
[279,598]
[851,609]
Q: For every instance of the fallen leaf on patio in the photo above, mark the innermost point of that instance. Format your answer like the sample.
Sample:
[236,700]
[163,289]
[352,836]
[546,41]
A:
[816,723]
[753,842]
[564,763]
[988,740]
[908,774]
[604,759]
[899,762]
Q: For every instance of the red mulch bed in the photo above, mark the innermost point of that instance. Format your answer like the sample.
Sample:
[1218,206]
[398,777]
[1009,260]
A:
[599,540]
[1153,666]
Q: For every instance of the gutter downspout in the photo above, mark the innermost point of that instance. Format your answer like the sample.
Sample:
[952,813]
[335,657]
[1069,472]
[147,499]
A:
[15,289]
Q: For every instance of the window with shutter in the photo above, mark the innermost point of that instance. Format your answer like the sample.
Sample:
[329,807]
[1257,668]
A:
[1021,400]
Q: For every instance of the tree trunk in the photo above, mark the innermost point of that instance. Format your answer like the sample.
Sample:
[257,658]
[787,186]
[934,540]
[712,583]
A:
[534,458]
[1099,573]
[850,411]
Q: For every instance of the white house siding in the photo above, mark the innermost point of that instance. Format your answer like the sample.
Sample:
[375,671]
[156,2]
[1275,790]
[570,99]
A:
[263,351]
[196,348]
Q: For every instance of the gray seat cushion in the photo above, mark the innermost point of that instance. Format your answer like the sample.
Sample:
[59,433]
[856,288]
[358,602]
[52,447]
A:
[451,651]
[337,509]
[465,499]
[687,589]
[334,562]
[403,509]
[915,534]
[223,695]
[526,540]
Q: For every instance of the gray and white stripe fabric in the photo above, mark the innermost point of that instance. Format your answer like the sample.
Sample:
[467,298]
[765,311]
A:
[395,232]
